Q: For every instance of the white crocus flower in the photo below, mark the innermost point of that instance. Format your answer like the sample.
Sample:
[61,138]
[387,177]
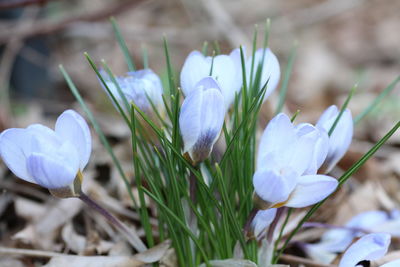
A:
[226,69]
[141,87]
[284,157]
[369,247]
[340,139]
[270,72]
[201,119]
[50,158]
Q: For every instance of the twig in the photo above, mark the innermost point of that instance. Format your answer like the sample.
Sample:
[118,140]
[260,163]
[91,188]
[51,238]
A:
[43,27]
[20,3]
[132,237]
[29,252]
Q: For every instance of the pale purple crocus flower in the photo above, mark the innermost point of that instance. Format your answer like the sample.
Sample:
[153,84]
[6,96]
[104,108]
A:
[270,72]
[340,139]
[285,157]
[201,119]
[369,247]
[49,158]
[225,69]
[141,87]
[337,240]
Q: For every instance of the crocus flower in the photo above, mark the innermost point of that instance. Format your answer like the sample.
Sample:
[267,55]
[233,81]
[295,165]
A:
[285,155]
[226,70]
[50,158]
[270,70]
[337,240]
[139,87]
[369,247]
[261,221]
[340,139]
[201,119]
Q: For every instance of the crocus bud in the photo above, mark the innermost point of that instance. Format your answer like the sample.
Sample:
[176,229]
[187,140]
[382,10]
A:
[284,156]
[270,71]
[226,69]
[201,119]
[340,139]
[52,159]
[142,87]
[369,247]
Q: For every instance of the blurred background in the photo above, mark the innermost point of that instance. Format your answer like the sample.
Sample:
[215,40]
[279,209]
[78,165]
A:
[339,43]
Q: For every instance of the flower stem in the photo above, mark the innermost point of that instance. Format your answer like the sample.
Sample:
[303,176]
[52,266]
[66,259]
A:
[271,228]
[132,237]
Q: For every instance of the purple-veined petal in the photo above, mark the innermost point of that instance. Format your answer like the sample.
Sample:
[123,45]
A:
[201,119]
[274,187]
[72,127]
[311,189]
[369,247]
[262,220]
[14,149]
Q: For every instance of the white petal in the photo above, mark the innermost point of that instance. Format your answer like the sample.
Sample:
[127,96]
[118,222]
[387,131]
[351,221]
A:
[369,247]
[14,149]
[194,69]
[225,72]
[274,187]
[368,219]
[52,171]
[270,70]
[340,139]
[321,146]
[72,127]
[278,135]
[311,189]
[395,263]
[319,253]
[262,220]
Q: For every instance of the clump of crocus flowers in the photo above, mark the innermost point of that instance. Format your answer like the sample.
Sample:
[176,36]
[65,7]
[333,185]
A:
[292,163]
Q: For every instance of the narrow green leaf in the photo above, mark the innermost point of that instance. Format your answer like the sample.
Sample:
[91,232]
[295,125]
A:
[345,104]
[286,77]
[122,45]
[376,101]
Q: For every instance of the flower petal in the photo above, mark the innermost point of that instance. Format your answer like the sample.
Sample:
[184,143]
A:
[72,127]
[278,135]
[225,72]
[340,139]
[262,220]
[311,189]
[321,146]
[274,187]
[14,149]
[54,171]
[369,247]
[201,119]
[194,69]
[270,70]
[395,263]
